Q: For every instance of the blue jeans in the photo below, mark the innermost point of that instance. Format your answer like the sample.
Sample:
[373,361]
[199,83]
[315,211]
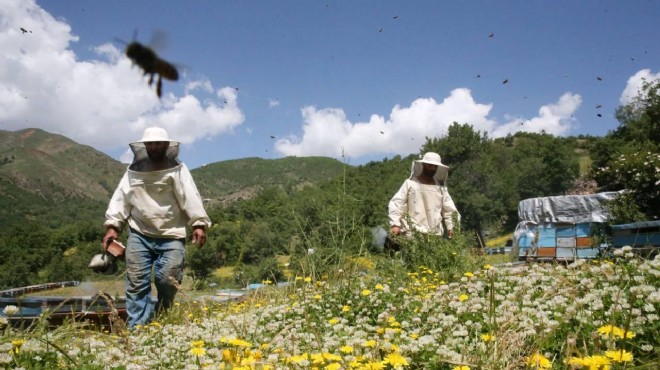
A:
[166,257]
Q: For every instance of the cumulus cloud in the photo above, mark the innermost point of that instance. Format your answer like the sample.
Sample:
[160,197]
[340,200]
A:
[328,132]
[104,102]
[634,85]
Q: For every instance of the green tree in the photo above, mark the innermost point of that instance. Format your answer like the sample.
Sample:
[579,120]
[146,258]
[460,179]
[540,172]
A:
[629,158]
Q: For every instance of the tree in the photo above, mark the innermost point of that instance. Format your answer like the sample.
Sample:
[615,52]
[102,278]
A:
[629,158]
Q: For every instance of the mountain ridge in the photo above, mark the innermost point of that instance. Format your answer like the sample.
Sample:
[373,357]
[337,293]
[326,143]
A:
[52,175]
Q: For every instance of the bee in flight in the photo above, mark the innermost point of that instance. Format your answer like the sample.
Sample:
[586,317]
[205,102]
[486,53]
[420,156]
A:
[151,64]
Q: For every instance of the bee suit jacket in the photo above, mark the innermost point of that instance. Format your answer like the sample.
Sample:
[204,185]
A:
[158,204]
[425,206]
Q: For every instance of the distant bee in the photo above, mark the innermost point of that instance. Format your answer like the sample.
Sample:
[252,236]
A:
[151,64]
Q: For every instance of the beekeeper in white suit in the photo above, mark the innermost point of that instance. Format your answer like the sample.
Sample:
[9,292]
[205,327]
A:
[423,203]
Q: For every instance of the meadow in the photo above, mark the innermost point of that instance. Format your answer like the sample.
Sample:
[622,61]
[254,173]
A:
[591,314]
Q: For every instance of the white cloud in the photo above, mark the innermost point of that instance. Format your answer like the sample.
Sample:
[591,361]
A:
[104,102]
[328,132]
[635,83]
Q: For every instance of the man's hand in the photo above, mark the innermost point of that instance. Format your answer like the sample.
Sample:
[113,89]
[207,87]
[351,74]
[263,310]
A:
[199,235]
[110,235]
[396,230]
[450,234]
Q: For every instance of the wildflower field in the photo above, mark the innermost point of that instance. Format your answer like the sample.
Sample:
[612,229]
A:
[600,314]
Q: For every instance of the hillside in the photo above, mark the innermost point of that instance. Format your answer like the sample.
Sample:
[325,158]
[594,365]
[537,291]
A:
[221,183]
[49,178]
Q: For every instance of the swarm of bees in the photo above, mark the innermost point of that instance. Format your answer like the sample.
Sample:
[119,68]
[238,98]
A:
[152,65]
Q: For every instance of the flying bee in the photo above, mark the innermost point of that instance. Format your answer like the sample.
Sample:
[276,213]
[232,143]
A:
[151,64]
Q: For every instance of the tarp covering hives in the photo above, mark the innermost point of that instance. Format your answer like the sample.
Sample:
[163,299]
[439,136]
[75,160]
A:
[569,209]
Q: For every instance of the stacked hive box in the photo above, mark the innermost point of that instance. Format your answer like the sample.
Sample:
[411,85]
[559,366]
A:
[561,227]
[558,241]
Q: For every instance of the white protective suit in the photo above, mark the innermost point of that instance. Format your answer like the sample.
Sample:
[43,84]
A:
[426,206]
[158,204]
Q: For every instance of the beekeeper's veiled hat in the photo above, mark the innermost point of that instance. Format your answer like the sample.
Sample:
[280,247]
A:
[154,134]
[431,158]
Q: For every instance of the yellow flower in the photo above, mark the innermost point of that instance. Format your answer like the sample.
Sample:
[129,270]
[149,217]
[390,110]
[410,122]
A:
[239,343]
[463,297]
[373,366]
[538,361]
[346,349]
[619,355]
[461,367]
[333,366]
[597,362]
[396,360]
[487,267]
[345,309]
[369,343]
[308,279]
[487,337]
[366,292]
[17,345]
[317,297]
[468,274]
[379,287]
[333,321]
[266,282]
[228,356]
[615,331]
[198,351]
[197,343]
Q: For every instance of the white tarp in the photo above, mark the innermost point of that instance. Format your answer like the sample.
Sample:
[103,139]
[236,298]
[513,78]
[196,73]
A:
[570,209]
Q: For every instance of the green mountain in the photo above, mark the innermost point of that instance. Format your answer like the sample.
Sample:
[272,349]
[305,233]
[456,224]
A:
[221,183]
[50,179]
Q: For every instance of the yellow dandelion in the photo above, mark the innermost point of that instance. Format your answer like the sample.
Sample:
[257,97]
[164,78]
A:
[346,349]
[619,355]
[333,321]
[333,366]
[468,274]
[239,343]
[615,331]
[369,343]
[461,367]
[198,351]
[577,361]
[463,297]
[317,297]
[266,282]
[345,308]
[296,359]
[366,292]
[396,360]
[487,267]
[228,356]
[308,279]
[373,366]
[487,337]
[538,361]
[197,343]
[298,278]
[597,362]
[379,287]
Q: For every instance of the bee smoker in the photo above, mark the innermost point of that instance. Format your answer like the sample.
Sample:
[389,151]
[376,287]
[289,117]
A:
[106,262]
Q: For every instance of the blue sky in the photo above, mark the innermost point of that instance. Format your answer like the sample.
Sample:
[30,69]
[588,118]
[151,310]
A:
[353,80]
